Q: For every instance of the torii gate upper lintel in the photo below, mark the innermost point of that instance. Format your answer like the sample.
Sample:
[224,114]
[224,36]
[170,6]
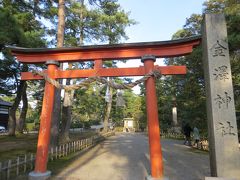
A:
[160,49]
[147,51]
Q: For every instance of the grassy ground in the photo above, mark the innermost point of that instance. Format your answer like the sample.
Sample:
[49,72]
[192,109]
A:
[11,147]
[56,166]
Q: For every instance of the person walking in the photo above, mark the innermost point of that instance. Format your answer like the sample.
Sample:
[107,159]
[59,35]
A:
[187,132]
[196,136]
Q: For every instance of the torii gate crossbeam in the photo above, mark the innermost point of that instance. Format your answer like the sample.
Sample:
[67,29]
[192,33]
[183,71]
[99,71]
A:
[106,72]
[147,51]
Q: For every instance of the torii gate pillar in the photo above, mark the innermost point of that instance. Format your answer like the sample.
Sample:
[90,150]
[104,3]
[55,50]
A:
[40,171]
[152,118]
[98,54]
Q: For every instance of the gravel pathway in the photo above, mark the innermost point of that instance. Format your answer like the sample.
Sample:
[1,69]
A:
[125,157]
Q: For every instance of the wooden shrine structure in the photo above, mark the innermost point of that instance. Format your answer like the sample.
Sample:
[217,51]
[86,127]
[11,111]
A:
[146,51]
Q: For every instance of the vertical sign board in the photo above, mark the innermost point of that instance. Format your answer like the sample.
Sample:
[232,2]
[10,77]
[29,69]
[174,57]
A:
[222,126]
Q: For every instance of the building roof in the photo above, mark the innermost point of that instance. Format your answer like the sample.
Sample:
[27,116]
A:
[5,103]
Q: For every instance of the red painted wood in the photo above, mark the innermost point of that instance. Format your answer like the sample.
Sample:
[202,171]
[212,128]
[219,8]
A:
[99,53]
[122,51]
[153,125]
[108,72]
[45,124]
[98,64]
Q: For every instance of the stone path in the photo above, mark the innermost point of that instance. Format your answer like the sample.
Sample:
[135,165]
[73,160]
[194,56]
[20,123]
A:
[125,157]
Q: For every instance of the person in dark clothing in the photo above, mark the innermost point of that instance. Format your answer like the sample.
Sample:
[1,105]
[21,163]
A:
[187,132]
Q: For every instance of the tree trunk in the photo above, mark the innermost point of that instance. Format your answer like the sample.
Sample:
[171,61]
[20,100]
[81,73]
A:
[13,109]
[56,115]
[66,114]
[68,95]
[108,111]
[61,23]
[82,27]
[21,121]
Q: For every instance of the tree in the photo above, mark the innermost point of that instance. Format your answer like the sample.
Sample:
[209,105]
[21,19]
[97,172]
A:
[114,21]
[21,120]
[85,25]
[18,27]
[56,115]
[189,90]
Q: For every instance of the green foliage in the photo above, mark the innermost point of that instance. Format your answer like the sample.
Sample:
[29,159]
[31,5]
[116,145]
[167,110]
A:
[231,9]
[10,31]
[113,21]
[18,26]
[22,24]
[143,116]
[87,124]
[32,115]
[30,126]
[189,89]
[118,129]
[76,124]
[132,108]
[87,22]
[88,105]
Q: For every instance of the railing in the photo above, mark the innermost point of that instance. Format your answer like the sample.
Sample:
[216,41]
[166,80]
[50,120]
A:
[22,164]
[13,167]
[172,135]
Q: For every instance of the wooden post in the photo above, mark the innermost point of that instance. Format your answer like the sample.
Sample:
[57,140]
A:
[60,151]
[17,168]
[9,168]
[31,161]
[152,116]
[45,124]
[63,150]
[52,153]
[69,147]
[0,170]
[97,64]
[74,149]
[25,162]
[66,149]
[222,126]
[56,152]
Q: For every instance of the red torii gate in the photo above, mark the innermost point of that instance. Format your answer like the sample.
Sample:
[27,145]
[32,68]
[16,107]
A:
[147,51]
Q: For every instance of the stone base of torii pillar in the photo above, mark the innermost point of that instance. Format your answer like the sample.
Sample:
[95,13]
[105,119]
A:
[39,176]
[151,178]
[218,178]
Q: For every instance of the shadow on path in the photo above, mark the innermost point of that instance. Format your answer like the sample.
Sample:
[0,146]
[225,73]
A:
[125,157]
[184,163]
